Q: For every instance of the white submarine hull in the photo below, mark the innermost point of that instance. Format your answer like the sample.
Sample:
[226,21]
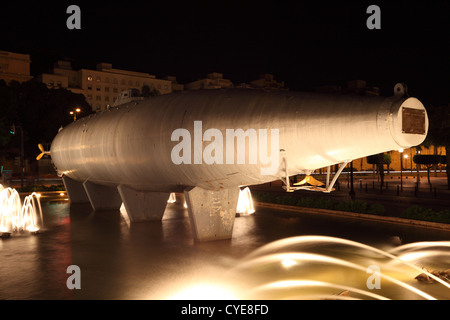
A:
[133,154]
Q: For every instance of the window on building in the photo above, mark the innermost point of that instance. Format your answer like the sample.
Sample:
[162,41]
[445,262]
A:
[122,82]
[107,80]
[99,88]
[130,83]
[99,79]
[106,89]
[51,84]
[137,84]
[115,81]
[89,87]
[89,96]
[166,87]
[98,98]
[89,78]
[107,99]
[115,90]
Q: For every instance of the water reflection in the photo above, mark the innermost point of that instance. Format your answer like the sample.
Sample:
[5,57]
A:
[271,256]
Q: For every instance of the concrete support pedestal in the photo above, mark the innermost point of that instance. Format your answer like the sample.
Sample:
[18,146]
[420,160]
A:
[75,190]
[143,205]
[212,213]
[102,197]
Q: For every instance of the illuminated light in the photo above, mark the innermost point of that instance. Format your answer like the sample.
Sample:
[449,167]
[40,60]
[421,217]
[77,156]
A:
[287,263]
[405,156]
[421,245]
[32,229]
[38,195]
[245,202]
[333,153]
[400,150]
[61,194]
[415,256]
[185,204]
[124,214]
[78,110]
[172,198]
[204,292]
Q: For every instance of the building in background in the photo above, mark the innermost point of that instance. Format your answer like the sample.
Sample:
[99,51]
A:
[266,81]
[102,86]
[14,67]
[176,87]
[213,80]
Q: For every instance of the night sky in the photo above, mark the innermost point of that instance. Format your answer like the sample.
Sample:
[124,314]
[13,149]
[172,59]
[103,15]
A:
[304,43]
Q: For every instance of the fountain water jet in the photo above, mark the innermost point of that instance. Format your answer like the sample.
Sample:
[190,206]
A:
[290,284]
[18,217]
[324,239]
[310,257]
[245,202]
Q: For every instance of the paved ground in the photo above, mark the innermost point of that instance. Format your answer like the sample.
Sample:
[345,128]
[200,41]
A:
[394,196]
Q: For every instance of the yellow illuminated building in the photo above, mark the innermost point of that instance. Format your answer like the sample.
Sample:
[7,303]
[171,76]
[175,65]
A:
[102,86]
[14,67]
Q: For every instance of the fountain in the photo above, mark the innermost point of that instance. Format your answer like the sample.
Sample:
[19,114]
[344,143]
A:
[245,202]
[284,269]
[16,216]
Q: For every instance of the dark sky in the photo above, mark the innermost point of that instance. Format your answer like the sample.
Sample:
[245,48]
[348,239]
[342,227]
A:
[304,43]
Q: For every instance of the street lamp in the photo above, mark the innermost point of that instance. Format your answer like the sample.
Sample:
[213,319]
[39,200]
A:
[406,157]
[401,169]
[74,113]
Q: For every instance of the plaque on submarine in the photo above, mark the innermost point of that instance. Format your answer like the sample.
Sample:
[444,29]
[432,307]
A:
[413,121]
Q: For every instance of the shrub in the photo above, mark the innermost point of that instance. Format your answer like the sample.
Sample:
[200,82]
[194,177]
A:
[321,203]
[376,209]
[352,206]
[426,214]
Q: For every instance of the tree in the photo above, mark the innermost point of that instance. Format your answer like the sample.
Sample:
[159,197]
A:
[377,160]
[148,92]
[387,160]
[439,132]
[38,110]
[428,160]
